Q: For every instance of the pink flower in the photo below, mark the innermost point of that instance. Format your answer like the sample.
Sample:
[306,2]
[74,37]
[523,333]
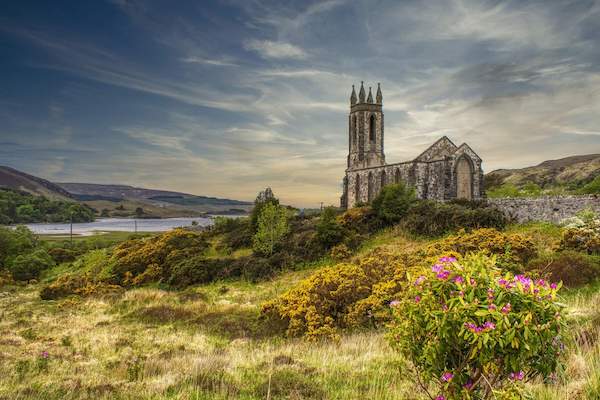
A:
[461,294]
[394,303]
[540,282]
[417,299]
[447,376]
[447,259]
[45,354]
[468,385]
[443,275]
[502,282]
[506,309]
[437,268]
[473,282]
[440,397]
[444,307]
[420,280]
[553,285]
[459,280]
[492,307]
[517,376]
[489,326]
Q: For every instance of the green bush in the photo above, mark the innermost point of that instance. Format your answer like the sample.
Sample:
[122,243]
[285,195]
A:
[393,202]
[265,197]
[431,218]
[473,332]
[570,267]
[272,228]
[592,187]
[329,231]
[29,266]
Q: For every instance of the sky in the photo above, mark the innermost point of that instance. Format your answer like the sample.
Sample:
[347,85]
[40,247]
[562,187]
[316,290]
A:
[223,98]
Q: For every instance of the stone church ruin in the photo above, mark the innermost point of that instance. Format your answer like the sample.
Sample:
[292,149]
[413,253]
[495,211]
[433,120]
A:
[444,171]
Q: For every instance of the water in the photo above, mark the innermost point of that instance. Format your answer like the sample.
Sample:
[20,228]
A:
[117,224]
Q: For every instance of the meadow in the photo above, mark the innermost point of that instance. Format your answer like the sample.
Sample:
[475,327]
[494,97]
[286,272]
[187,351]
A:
[211,341]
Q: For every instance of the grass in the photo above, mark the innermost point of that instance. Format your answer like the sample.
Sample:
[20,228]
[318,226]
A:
[208,342]
[109,236]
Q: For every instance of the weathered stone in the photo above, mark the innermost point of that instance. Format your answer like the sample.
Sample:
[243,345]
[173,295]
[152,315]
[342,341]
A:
[438,173]
[547,208]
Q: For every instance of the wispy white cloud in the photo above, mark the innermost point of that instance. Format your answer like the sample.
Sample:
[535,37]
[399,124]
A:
[276,50]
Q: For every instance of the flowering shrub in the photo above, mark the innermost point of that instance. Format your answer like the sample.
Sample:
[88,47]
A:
[582,233]
[511,250]
[322,304]
[472,331]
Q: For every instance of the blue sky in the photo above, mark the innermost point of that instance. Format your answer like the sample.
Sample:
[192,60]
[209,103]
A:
[223,98]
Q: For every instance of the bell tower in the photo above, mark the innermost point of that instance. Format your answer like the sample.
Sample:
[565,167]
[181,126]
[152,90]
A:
[365,131]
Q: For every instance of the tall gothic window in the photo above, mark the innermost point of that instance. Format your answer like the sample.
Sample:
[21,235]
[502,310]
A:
[397,177]
[383,179]
[372,128]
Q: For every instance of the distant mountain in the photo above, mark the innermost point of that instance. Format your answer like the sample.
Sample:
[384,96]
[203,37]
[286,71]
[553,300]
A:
[14,179]
[569,171]
[122,200]
[91,192]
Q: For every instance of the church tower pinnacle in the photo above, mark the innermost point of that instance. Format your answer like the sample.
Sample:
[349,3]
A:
[361,93]
[379,96]
[365,133]
[353,97]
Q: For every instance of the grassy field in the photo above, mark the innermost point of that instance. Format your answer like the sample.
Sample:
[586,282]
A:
[208,342]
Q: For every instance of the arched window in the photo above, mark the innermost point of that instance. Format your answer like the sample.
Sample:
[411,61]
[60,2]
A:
[397,177]
[372,128]
[383,179]
[357,189]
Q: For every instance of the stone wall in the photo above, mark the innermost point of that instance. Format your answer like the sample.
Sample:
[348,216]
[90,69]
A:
[548,208]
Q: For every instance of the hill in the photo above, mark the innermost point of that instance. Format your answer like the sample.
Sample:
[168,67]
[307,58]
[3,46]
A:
[11,178]
[163,199]
[122,200]
[572,172]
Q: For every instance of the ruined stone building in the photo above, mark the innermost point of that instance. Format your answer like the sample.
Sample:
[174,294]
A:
[443,171]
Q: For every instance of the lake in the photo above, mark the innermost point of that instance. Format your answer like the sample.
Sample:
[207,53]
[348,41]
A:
[117,224]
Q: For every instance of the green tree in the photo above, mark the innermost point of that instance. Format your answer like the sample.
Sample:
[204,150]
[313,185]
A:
[393,202]
[329,231]
[265,197]
[272,227]
[592,187]
[139,212]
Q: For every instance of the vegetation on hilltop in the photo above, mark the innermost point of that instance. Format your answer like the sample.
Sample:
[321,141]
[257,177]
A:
[21,207]
[570,175]
[167,315]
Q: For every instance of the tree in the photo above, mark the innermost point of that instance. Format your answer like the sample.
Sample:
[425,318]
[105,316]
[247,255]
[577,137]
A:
[272,227]
[139,212]
[265,197]
[393,202]
[329,231]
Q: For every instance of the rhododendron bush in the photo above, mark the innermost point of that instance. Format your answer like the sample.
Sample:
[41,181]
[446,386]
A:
[472,331]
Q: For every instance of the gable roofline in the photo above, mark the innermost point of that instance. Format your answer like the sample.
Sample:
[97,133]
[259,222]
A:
[464,145]
[436,142]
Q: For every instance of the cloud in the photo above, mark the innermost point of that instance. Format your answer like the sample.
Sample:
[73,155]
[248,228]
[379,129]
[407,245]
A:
[276,50]
[208,61]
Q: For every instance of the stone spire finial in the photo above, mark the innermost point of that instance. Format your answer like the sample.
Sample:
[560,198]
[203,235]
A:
[370,98]
[353,97]
[379,96]
[361,93]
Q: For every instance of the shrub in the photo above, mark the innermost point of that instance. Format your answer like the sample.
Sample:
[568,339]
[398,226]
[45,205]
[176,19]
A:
[61,255]
[340,252]
[592,187]
[329,231]
[75,284]
[472,331]
[272,227]
[319,306]
[265,197]
[393,202]
[512,250]
[29,266]
[360,220]
[158,254]
[15,242]
[431,218]
[570,267]
[582,233]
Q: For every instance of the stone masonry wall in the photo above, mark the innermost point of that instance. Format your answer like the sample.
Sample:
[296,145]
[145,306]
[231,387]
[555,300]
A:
[548,208]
